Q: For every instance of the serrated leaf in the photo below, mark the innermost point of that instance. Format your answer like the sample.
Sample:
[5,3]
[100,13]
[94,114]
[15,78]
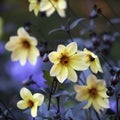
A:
[61,93]
[75,23]
[48,78]
[54,30]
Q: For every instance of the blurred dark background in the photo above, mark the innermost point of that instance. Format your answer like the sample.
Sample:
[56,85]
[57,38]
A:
[15,14]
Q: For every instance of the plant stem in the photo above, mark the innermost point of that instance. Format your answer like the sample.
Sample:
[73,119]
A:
[33,118]
[69,34]
[97,115]
[58,104]
[106,61]
[53,89]
[117,109]
[8,109]
[50,95]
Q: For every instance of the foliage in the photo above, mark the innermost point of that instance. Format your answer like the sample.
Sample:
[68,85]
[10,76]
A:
[59,30]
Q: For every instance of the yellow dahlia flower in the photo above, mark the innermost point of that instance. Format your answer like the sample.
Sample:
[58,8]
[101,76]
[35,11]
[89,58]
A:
[23,47]
[49,6]
[34,5]
[66,60]
[94,92]
[92,60]
[30,101]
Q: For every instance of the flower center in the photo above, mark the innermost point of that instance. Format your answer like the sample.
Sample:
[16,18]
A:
[91,58]
[26,44]
[93,92]
[30,103]
[38,1]
[64,60]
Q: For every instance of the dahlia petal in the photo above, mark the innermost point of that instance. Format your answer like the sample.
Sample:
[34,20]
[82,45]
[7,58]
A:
[72,75]
[103,94]
[23,57]
[22,104]
[36,10]
[77,63]
[62,4]
[31,7]
[62,76]
[87,52]
[31,1]
[98,65]
[22,32]
[25,94]
[12,44]
[45,5]
[91,80]
[93,67]
[61,48]
[71,48]
[54,57]
[88,104]
[50,12]
[39,98]
[104,103]
[32,40]
[96,106]
[34,111]
[32,55]
[20,54]
[61,12]
[55,70]
[82,92]
[101,84]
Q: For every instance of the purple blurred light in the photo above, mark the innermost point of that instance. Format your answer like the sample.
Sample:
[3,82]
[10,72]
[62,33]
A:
[113,105]
[2,47]
[21,73]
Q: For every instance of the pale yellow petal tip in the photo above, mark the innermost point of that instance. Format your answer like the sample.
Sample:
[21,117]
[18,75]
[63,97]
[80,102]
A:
[101,70]
[76,87]
[55,5]
[74,44]
[22,104]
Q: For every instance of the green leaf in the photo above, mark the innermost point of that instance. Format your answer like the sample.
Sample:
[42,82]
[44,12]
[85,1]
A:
[48,78]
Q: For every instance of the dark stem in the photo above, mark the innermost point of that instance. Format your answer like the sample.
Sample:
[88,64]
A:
[58,104]
[8,110]
[70,11]
[97,115]
[50,95]
[117,109]
[89,117]
[106,61]
[33,118]
[107,19]
[68,6]
[53,89]
[69,34]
